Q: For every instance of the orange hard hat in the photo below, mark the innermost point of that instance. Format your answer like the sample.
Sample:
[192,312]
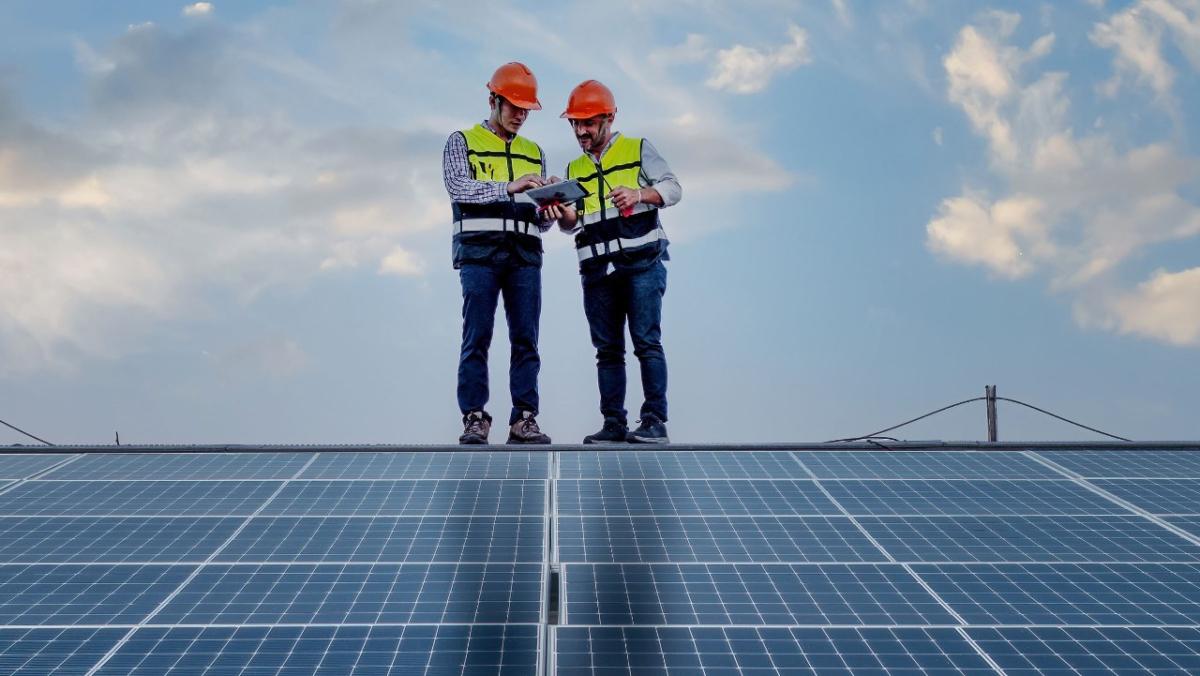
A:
[589,99]
[516,83]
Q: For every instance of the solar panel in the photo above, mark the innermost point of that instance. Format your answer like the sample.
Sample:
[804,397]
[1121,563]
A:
[692,497]
[1068,593]
[132,539]
[419,593]
[426,650]
[747,594]
[182,466]
[1114,538]
[451,539]
[714,562]
[84,594]
[967,497]
[712,539]
[1121,464]
[679,465]
[157,498]
[467,497]
[746,651]
[923,465]
[59,651]
[426,465]
[15,466]
[1089,650]
[1157,496]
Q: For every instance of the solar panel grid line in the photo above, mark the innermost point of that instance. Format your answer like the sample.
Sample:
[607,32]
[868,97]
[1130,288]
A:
[54,462]
[96,667]
[1143,464]
[171,498]
[403,650]
[1161,497]
[1076,594]
[549,527]
[410,497]
[680,651]
[967,497]
[1086,650]
[991,661]
[83,594]
[902,465]
[1047,539]
[859,526]
[184,466]
[1194,539]
[64,651]
[688,594]
[714,539]
[33,477]
[693,497]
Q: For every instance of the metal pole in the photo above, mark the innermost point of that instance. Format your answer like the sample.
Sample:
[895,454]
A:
[989,391]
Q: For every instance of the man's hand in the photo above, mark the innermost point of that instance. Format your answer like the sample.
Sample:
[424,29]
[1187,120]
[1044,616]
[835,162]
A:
[624,199]
[525,183]
[567,217]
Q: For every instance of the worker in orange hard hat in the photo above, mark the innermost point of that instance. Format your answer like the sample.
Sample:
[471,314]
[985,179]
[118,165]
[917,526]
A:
[621,246]
[498,251]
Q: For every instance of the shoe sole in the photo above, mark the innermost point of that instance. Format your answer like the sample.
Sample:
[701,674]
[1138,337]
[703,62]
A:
[518,442]
[592,442]
[636,440]
[472,442]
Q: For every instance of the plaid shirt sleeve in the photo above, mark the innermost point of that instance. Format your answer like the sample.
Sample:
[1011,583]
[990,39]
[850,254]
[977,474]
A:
[456,173]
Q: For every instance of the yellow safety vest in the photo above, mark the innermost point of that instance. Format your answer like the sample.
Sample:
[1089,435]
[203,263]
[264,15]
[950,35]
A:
[493,159]
[606,235]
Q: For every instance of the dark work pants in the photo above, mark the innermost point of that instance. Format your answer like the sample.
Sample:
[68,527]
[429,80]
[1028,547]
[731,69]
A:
[482,286]
[611,301]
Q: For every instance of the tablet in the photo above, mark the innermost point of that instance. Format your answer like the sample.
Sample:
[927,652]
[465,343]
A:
[562,192]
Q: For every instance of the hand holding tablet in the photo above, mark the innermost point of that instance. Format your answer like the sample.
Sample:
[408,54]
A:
[564,192]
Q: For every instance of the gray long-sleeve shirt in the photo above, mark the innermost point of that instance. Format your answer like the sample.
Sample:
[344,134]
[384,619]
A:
[655,172]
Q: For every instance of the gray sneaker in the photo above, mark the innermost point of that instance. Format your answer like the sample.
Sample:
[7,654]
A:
[651,431]
[476,426]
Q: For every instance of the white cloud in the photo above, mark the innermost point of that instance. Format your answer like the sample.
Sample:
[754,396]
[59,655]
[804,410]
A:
[938,136]
[182,180]
[273,356]
[1165,307]
[1006,236]
[198,9]
[1079,209]
[403,263]
[746,70]
[1136,34]
[842,9]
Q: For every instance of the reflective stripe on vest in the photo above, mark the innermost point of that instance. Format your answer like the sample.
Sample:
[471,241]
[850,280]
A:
[496,225]
[492,159]
[587,219]
[593,250]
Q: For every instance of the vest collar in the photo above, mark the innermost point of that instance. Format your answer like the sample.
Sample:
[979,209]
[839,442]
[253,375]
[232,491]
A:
[612,138]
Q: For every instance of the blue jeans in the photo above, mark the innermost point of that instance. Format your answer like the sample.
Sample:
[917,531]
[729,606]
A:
[482,285]
[609,302]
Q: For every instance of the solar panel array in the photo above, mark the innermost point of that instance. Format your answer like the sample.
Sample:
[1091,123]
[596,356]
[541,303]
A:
[601,563]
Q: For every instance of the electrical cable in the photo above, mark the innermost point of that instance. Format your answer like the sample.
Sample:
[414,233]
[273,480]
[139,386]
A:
[876,435]
[1066,420]
[13,427]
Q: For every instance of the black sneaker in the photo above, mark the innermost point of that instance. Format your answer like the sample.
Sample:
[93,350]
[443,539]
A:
[613,432]
[526,431]
[651,431]
[476,426]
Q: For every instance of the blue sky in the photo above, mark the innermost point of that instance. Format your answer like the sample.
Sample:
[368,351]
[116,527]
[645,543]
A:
[225,223]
